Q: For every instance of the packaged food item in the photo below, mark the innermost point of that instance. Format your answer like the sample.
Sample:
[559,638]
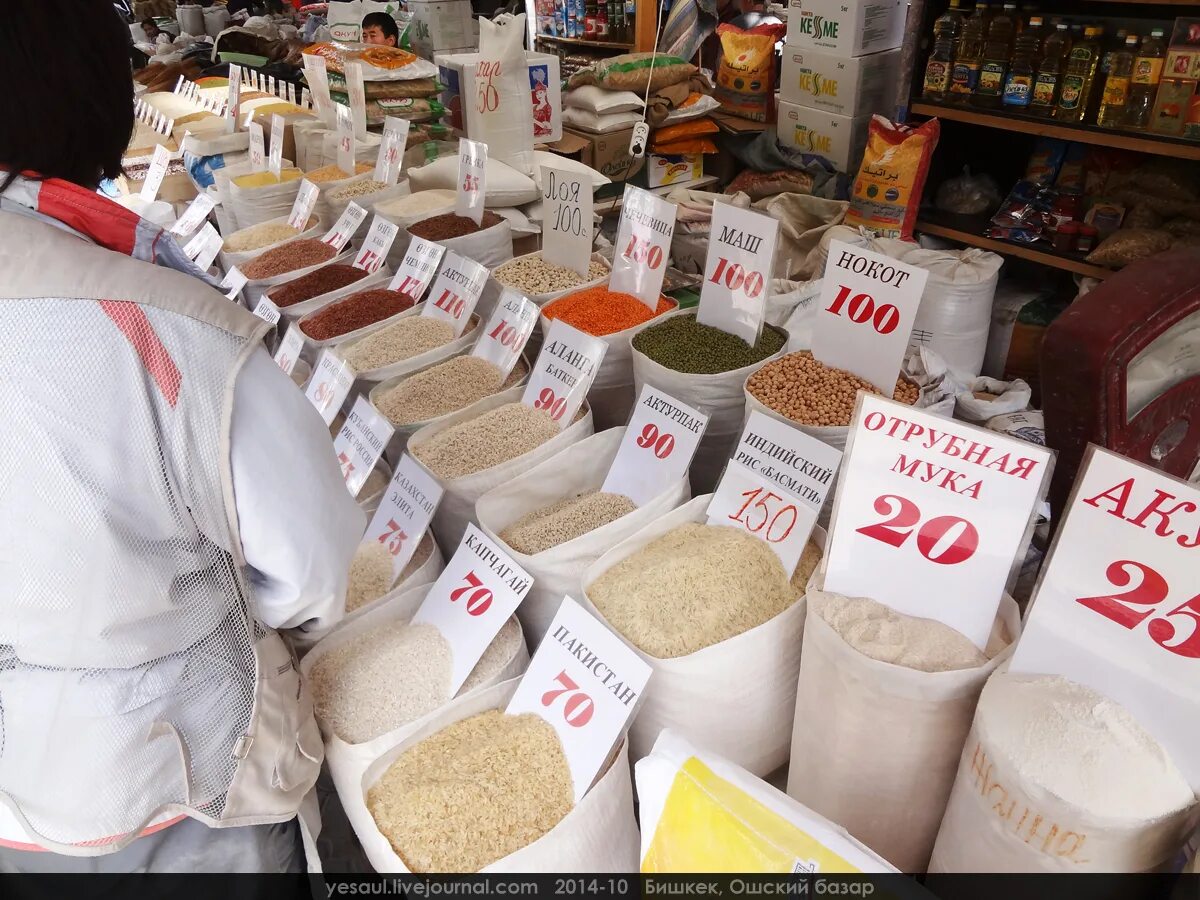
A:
[1045,161]
[690,129]
[757,185]
[688,145]
[1129,245]
[635,72]
[746,74]
[887,190]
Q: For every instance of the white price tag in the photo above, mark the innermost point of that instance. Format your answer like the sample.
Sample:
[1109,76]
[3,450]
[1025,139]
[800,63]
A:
[258,148]
[329,385]
[567,220]
[275,161]
[417,270]
[233,282]
[405,512]
[643,246]
[1117,607]
[866,312]
[472,179]
[737,273]
[786,456]
[317,74]
[564,372]
[179,85]
[289,92]
[343,229]
[289,350]
[745,499]
[477,592]
[194,216]
[391,149]
[377,244]
[588,684]
[267,311]
[306,199]
[930,513]
[456,291]
[657,448]
[507,331]
[360,443]
[358,98]
[345,138]
[272,85]
[159,161]
[160,123]
[233,102]
[204,247]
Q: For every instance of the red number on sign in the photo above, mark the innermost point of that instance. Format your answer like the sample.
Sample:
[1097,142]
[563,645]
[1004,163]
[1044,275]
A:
[642,251]
[1162,630]
[408,286]
[906,515]
[546,400]
[285,363]
[660,445]
[736,278]
[324,393]
[1150,591]
[347,466]
[488,96]
[506,334]
[394,537]
[862,308]
[945,540]
[480,599]
[777,530]
[471,183]
[451,303]
[369,261]
[579,707]
[335,239]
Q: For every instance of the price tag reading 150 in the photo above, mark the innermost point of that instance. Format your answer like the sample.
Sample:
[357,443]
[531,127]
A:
[643,245]
[1118,604]
[507,331]
[588,684]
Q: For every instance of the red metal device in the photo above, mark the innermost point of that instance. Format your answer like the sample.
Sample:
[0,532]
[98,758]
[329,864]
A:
[1121,368]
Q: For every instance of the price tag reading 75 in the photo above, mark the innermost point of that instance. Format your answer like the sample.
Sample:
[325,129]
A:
[405,512]
[507,331]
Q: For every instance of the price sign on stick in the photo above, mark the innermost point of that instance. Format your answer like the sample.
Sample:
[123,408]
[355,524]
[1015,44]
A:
[357,94]
[288,353]
[193,217]
[267,311]
[566,219]
[203,248]
[589,704]
[643,245]
[289,92]
[480,588]
[377,244]
[866,312]
[417,268]
[391,149]
[456,291]
[507,331]
[345,137]
[657,448]
[360,443]
[233,102]
[156,173]
[258,148]
[472,179]
[784,455]
[275,160]
[405,512]
[329,385]
[233,282]
[317,75]
[345,227]
[939,506]
[306,199]
[564,372]
[737,273]
[1118,604]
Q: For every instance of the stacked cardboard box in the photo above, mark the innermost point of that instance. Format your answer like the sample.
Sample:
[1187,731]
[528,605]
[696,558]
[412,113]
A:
[841,64]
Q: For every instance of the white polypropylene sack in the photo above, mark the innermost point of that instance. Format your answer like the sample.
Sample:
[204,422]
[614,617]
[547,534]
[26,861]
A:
[216,20]
[558,572]
[348,761]
[502,117]
[722,397]
[489,247]
[424,575]
[793,305]
[229,258]
[296,311]
[505,186]
[999,821]
[261,204]
[599,835]
[255,288]
[875,745]
[368,379]
[190,18]
[1011,396]
[737,697]
[460,494]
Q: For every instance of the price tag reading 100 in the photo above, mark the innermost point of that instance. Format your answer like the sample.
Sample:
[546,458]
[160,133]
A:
[507,331]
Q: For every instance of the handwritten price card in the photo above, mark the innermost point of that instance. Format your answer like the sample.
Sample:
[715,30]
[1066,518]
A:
[567,219]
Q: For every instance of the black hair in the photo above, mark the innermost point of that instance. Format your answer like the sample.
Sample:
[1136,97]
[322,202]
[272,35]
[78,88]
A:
[384,23]
[149,20]
[73,119]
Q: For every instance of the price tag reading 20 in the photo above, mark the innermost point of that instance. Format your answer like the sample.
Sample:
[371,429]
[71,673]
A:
[507,331]
[1118,604]
[405,512]
[941,507]
[480,588]
[564,372]
[737,274]
[588,684]
[643,245]
[657,448]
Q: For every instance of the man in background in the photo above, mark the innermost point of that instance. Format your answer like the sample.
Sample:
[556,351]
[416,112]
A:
[380,29]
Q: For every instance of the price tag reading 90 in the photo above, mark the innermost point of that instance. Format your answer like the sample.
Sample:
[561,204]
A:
[507,331]
[564,371]
[657,447]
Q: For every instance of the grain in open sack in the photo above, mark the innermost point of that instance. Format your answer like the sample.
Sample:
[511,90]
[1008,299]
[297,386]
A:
[399,341]
[444,388]
[565,520]
[262,235]
[355,312]
[288,257]
[533,275]
[490,439]
[807,391]
[371,571]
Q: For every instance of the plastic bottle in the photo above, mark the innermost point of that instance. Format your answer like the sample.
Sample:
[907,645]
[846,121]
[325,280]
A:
[1079,77]
[1114,105]
[946,32]
[1027,51]
[996,53]
[1147,73]
[968,57]
[1050,71]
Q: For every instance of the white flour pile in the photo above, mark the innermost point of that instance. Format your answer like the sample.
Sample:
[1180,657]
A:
[1081,747]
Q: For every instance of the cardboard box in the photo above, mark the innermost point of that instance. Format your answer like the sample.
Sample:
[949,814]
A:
[845,86]
[838,139]
[846,27]
[457,72]
[609,153]
[678,168]
[439,25]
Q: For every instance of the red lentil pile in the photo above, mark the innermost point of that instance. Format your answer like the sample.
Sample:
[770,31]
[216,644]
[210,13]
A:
[599,311]
[355,312]
[288,258]
[314,284]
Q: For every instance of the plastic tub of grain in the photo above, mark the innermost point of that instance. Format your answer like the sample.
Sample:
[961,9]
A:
[247,243]
[286,263]
[490,795]
[555,522]
[474,450]
[706,368]
[872,677]
[406,347]
[371,583]
[412,401]
[712,611]
[376,678]
[353,316]
[319,288]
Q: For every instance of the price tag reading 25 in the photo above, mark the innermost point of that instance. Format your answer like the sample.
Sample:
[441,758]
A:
[588,684]
[657,448]
[474,596]
[564,372]
[643,245]
[507,331]
[943,508]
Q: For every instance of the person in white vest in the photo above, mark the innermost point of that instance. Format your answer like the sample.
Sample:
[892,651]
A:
[169,500]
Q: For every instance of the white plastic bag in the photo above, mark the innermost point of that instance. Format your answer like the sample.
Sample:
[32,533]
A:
[503,118]
[558,572]
[1011,397]
[793,305]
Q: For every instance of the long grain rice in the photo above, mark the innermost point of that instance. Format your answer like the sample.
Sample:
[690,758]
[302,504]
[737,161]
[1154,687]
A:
[565,520]
[487,440]
[399,341]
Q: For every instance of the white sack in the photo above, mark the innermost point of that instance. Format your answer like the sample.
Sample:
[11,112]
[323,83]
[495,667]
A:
[1011,397]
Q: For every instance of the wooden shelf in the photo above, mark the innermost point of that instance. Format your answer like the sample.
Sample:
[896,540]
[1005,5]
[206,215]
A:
[970,230]
[1085,134]
[581,42]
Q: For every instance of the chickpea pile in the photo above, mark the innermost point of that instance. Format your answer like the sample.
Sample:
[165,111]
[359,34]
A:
[811,393]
